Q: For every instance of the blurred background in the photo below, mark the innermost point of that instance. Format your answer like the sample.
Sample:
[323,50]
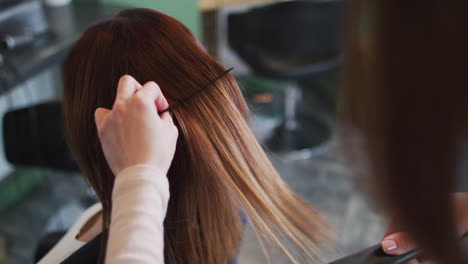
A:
[287,57]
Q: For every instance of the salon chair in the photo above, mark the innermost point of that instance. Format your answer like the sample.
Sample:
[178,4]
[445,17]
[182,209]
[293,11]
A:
[33,136]
[291,41]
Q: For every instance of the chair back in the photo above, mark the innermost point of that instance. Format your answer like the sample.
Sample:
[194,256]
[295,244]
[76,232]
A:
[33,136]
[291,39]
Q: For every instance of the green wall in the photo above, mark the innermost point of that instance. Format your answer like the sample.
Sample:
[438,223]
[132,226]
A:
[186,11]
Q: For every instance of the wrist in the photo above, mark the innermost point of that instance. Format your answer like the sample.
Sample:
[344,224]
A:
[140,168]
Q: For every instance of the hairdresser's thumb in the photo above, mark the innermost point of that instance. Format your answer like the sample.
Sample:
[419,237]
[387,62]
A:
[99,116]
[397,244]
[167,118]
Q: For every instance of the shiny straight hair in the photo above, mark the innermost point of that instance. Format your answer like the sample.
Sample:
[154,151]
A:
[219,169]
[404,112]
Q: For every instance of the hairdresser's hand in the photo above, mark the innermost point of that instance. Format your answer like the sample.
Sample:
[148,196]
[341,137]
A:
[133,132]
[397,243]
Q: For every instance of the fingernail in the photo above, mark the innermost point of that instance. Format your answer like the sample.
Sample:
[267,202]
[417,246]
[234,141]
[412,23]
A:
[389,245]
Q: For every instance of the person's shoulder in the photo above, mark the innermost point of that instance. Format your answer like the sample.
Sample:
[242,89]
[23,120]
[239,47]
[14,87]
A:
[89,253]
[68,244]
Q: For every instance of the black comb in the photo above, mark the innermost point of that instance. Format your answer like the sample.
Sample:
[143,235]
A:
[375,255]
[196,91]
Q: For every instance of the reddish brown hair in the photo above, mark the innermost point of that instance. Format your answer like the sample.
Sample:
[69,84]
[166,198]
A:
[404,111]
[218,169]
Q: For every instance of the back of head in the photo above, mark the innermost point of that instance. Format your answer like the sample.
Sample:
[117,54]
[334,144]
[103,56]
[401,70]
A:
[219,169]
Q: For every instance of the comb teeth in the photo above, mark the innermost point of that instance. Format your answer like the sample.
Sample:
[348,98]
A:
[196,91]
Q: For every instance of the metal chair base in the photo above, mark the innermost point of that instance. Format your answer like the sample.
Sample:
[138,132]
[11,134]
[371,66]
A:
[307,138]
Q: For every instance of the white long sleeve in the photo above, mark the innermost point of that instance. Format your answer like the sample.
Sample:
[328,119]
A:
[139,204]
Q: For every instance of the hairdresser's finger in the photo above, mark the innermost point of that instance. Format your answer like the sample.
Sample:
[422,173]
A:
[392,228]
[167,117]
[161,103]
[126,87]
[397,244]
[152,91]
[149,91]
[99,116]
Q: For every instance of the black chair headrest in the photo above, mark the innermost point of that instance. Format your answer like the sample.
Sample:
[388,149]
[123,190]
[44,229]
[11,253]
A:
[33,136]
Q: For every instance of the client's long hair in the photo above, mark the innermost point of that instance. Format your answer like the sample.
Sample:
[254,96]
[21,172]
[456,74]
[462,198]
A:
[219,168]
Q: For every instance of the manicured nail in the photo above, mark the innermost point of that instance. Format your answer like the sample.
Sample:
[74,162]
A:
[389,245]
